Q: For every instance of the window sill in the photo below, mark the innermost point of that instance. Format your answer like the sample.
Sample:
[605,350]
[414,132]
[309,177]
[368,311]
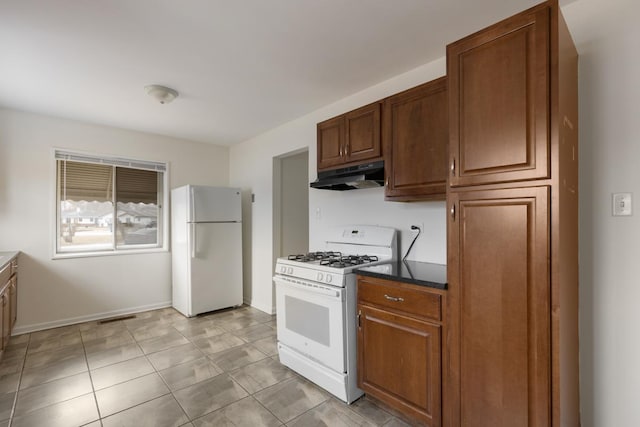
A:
[70,255]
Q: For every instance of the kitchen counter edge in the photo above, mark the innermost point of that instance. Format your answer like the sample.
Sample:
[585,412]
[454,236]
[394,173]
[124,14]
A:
[6,257]
[414,272]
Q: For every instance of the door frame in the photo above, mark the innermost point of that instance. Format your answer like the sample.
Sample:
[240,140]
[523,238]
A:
[277,210]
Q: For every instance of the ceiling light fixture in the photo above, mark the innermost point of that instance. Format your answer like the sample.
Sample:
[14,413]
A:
[162,94]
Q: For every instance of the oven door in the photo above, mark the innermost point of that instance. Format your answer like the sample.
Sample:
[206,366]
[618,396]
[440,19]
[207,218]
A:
[311,320]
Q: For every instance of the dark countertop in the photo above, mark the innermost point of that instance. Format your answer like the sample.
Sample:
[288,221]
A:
[415,272]
[5,257]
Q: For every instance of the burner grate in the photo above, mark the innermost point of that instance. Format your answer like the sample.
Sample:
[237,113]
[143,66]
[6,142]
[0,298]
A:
[348,260]
[315,256]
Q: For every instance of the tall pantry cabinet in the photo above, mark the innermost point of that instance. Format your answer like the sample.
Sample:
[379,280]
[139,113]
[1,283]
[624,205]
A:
[511,350]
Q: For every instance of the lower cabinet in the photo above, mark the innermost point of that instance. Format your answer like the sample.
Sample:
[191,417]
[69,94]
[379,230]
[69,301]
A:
[499,344]
[399,347]
[6,317]
[8,300]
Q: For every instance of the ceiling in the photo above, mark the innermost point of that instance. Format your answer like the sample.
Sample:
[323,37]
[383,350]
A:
[241,66]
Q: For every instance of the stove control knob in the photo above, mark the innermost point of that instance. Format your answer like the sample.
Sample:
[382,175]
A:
[283,269]
[290,270]
[319,277]
[329,278]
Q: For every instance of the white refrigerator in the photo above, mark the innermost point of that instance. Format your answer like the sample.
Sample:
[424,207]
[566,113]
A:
[206,239]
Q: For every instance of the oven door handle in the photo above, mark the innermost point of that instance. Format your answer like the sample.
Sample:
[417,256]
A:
[308,287]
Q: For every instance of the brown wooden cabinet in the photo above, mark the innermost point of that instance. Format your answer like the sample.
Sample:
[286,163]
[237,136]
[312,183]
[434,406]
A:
[415,139]
[331,143]
[13,300]
[511,358]
[6,317]
[350,138]
[8,300]
[501,359]
[399,346]
[499,102]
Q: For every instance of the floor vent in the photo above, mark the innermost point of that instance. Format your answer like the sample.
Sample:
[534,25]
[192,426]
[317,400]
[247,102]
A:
[116,319]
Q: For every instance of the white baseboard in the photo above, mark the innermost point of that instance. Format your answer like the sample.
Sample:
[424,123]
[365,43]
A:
[261,307]
[24,329]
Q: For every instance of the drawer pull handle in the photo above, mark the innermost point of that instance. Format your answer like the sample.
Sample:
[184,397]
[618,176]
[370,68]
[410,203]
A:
[394,299]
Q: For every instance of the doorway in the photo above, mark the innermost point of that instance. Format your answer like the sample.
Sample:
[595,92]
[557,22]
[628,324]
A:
[290,205]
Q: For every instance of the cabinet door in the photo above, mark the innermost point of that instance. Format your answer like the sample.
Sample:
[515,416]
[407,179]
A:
[363,134]
[399,362]
[416,138]
[6,318]
[13,302]
[499,295]
[499,102]
[331,143]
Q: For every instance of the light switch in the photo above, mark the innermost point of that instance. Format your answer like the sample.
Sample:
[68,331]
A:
[621,204]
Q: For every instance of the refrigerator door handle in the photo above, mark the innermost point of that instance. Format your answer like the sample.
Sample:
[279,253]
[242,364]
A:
[193,240]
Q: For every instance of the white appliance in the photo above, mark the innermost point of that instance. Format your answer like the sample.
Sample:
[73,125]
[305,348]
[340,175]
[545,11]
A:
[316,306]
[206,239]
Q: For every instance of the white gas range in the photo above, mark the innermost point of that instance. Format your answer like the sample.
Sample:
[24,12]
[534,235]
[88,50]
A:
[316,306]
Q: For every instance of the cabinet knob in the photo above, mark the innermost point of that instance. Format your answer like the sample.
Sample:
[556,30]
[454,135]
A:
[453,166]
[394,299]
[453,212]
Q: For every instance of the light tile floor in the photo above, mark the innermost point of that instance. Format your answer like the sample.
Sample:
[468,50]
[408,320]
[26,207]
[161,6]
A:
[162,369]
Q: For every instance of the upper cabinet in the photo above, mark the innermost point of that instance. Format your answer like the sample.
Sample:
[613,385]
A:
[350,138]
[499,102]
[415,139]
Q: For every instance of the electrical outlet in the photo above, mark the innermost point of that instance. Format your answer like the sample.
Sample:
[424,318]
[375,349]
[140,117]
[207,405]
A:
[621,204]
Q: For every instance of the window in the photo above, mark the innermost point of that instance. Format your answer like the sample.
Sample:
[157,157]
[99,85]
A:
[107,204]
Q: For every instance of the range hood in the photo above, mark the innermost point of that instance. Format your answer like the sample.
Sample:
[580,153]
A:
[367,175]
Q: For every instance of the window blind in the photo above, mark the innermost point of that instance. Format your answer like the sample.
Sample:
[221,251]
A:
[91,178]
[136,185]
[85,181]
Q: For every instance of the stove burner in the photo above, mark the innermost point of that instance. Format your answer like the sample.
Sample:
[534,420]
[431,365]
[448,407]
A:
[315,256]
[348,260]
[333,259]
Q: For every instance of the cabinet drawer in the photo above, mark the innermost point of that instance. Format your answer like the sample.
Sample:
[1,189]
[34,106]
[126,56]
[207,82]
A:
[410,299]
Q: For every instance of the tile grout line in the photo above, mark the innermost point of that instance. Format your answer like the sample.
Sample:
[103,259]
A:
[15,398]
[162,378]
[207,356]
[154,369]
[86,361]
[252,395]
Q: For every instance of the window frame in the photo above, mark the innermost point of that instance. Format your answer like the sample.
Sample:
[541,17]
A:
[163,207]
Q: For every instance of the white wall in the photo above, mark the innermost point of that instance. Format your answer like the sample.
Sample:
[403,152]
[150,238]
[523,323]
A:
[252,169]
[54,292]
[607,37]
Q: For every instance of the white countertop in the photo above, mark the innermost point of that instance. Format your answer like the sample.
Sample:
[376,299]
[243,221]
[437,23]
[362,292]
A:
[5,257]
